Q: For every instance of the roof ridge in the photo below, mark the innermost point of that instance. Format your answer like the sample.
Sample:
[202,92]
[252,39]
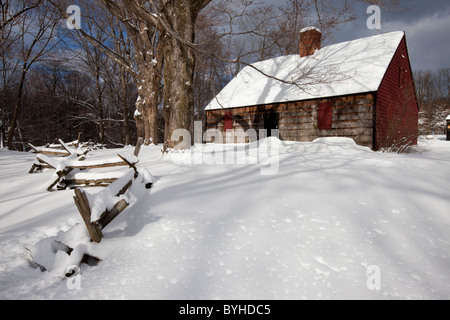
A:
[332,45]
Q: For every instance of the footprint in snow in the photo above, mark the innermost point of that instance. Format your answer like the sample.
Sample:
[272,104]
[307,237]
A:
[322,261]
[379,232]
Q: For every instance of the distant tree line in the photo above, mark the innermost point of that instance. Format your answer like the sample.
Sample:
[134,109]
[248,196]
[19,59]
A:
[432,90]
[54,85]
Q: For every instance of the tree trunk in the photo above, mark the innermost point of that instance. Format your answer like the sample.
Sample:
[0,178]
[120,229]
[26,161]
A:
[147,110]
[149,93]
[179,65]
[3,118]
[101,113]
[179,104]
[138,117]
[123,100]
[170,30]
[101,123]
[17,109]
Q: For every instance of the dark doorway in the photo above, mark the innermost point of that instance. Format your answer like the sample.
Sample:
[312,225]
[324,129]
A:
[448,130]
[271,120]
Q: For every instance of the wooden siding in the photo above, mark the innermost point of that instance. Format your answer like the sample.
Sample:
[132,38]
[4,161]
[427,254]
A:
[353,117]
[397,111]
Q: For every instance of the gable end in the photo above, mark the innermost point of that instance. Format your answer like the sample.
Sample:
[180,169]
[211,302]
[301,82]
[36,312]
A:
[397,111]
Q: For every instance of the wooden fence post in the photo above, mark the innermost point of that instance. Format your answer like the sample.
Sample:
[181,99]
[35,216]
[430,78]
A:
[139,144]
[82,203]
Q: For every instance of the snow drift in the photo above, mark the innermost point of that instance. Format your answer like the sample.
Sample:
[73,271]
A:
[317,229]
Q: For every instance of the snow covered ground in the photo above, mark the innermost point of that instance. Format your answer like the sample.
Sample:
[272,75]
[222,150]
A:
[335,221]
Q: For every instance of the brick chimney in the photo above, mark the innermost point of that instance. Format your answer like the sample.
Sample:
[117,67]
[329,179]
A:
[310,41]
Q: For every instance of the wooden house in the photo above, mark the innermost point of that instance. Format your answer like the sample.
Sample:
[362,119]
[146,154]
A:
[362,89]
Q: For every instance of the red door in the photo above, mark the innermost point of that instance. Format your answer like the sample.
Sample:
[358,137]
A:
[325,118]
[228,121]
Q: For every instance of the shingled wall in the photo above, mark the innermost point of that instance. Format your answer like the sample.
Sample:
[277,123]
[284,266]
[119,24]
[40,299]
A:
[351,116]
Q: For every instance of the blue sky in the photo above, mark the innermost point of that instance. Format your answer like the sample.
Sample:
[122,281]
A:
[426,23]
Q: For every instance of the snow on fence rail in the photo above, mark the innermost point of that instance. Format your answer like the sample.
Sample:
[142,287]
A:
[62,149]
[58,151]
[72,173]
[97,208]
[71,165]
[100,209]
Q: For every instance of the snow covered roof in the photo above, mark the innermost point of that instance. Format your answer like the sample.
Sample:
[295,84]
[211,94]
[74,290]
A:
[351,67]
[448,118]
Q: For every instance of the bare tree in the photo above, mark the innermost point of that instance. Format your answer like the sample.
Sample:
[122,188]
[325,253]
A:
[12,10]
[48,104]
[10,18]
[163,34]
[93,61]
[148,61]
[432,91]
[120,79]
[175,21]
[210,74]
[38,25]
[146,64]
